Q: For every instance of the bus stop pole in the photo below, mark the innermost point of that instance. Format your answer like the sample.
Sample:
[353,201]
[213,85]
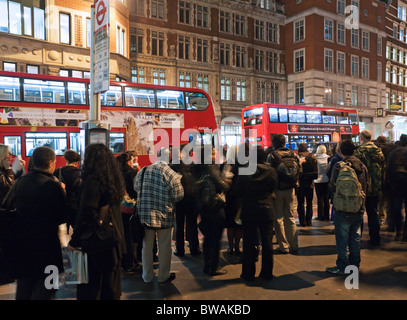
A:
[94,100]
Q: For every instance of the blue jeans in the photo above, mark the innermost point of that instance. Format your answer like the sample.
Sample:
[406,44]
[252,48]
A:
[347,235]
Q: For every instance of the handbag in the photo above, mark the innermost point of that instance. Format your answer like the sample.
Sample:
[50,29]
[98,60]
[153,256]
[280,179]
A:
[128,205]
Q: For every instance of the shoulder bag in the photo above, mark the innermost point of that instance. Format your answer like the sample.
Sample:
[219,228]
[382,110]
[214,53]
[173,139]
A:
[104,235]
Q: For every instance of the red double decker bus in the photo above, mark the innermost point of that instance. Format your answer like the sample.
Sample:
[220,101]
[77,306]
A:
[300,124]
[37,110]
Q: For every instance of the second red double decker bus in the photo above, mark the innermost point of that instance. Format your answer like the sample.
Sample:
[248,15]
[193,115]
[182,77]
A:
[300,124]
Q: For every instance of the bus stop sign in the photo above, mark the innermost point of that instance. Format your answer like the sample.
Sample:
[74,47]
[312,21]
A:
[101,46]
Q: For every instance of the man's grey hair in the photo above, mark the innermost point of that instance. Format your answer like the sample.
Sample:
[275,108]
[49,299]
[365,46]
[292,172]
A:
[164,154]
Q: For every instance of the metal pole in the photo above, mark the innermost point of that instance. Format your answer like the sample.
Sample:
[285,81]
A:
[94,98]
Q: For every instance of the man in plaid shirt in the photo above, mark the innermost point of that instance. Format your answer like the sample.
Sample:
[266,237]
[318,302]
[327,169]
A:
[158,188]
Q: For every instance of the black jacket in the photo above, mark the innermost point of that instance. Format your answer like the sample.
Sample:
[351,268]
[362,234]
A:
[71,177]
[309,170]
[396,176]
[129,173]
[93,198]
[187,180]
[256,192]
[40,202]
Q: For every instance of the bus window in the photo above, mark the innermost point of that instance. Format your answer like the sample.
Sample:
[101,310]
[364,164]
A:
[9,89]
[54,140]
[273,114]
[76,93]
[44,91]
[14,144]
[74,141]
[353,118]
[313,116]
[283,115]
[328,119]
[117,142]
[138,97]
[200,139]
[253,116]
[196,101]
[170,99]
[312,141]
[296,116]
[112,97]
[342,120]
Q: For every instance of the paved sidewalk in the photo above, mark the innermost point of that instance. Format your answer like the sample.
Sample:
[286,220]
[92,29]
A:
[383,275]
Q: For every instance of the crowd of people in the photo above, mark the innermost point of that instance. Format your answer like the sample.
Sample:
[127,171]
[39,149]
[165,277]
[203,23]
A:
[123,216]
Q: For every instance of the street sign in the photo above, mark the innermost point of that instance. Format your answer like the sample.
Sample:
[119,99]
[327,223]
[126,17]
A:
[101,46]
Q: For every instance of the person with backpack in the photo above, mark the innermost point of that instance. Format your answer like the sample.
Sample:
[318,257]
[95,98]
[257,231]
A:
[305,191]
[287,164]
[211,201]
[186,217]
[125,162]
[321,184]
[373,158]
[397,179]
[70,176]
[348,185]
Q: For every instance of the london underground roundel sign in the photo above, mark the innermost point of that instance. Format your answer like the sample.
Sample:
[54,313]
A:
[101,14]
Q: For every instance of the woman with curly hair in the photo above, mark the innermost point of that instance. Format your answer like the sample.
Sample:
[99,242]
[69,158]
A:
[102,187]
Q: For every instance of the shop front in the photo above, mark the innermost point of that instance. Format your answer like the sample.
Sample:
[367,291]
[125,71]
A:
[231,131]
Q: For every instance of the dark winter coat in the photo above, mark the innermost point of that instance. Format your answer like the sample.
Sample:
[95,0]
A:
[40,202]
[187,180]
[309,170]
[129,173]
[256,192]
[396,176]
[71,177]
[93,198]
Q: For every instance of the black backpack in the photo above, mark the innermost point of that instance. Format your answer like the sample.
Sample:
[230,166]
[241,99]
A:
[288,169]
[207,197]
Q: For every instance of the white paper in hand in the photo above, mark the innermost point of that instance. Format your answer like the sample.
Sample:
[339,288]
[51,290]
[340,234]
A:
[17,166]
